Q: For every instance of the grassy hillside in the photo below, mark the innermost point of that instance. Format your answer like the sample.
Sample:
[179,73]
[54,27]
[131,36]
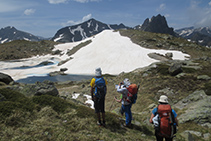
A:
[19,49]
[53,118]
[165,41]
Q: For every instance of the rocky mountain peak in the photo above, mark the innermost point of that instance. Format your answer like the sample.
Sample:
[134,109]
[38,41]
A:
[84,30]
[156,24]
[10,33]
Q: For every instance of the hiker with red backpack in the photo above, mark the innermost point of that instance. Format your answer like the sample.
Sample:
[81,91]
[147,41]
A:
[127,99]
[98,93]
[164,119]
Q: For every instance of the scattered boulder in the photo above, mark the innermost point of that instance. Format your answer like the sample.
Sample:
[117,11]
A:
[39,88]
[198,109]
[166,91]
[169,55]
[63,69]
[203,77]
[175,69]
[5,78]
[157,56]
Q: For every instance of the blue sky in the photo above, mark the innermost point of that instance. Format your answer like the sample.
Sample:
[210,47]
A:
[46,17]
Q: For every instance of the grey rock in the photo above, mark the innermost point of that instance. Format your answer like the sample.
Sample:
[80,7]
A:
[157,56]
[55,73]
[5,78]
[198,109]
[63,69]
[194,97]
[180,75]
[39,88]
[199,134]
[169,55]
[166,91]
[203,77]
[206,136]
[188,136]
[175,69]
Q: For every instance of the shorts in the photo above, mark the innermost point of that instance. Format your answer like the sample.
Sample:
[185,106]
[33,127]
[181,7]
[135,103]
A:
[99,105]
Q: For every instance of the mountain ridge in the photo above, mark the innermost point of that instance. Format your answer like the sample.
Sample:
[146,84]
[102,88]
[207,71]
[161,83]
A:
[10,33]
[91,27]
[83,30]
[201,35]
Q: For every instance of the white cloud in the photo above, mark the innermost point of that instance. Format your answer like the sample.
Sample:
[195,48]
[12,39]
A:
[87,17]
[71,22]
[85,1]
[167,15]
[162,7]
[200,16]
[57,1]
[29,11]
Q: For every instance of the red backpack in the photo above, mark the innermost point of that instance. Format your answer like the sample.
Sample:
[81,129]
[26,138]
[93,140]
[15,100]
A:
[132,93]
[166,120]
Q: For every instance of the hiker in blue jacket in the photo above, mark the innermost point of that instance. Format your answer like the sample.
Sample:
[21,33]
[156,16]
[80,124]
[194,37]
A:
[126,106]
[98,92]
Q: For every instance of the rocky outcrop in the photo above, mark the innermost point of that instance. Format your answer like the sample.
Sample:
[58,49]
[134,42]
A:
[175,69]
[157,24]
[157,56]
[5,78]
[198,108]
[39,88]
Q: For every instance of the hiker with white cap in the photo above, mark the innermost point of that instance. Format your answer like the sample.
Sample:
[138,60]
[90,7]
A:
[126,106]
[98,92]
[164,119]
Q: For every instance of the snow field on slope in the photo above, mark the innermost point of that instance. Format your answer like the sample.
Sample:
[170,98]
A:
[114,54]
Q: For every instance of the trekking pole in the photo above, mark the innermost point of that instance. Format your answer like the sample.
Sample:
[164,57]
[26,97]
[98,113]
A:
[111,105]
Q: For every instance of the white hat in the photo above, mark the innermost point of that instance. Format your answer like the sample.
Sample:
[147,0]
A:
[163,99]
[98,72]
[126,82]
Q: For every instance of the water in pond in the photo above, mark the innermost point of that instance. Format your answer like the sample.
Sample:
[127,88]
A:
[58,78]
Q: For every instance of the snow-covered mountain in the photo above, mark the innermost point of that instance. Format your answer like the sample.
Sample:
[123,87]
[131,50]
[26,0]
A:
[10,33]
[200,35]
[84,30]
[109,50]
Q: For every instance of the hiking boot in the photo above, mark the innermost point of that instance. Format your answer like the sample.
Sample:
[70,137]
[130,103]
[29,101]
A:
[127,125]
[103,124]
[99,123]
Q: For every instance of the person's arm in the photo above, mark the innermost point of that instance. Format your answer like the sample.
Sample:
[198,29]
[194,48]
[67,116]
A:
[176,121]
[92,91]
[175,117]
[150,120]
[118,100]
[92,88]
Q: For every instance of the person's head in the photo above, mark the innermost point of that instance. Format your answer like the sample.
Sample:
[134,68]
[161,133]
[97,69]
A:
[163,99]
[98,72]
[126,82]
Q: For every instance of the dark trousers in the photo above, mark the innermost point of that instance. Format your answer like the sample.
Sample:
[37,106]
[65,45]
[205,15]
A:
[159,138]
[99,105]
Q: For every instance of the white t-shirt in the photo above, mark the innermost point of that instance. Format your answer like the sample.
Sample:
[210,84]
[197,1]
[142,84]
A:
[124,92]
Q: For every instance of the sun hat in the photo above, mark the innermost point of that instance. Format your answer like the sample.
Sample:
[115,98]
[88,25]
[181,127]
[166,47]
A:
[163,99]
[98,72]
[126,82]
